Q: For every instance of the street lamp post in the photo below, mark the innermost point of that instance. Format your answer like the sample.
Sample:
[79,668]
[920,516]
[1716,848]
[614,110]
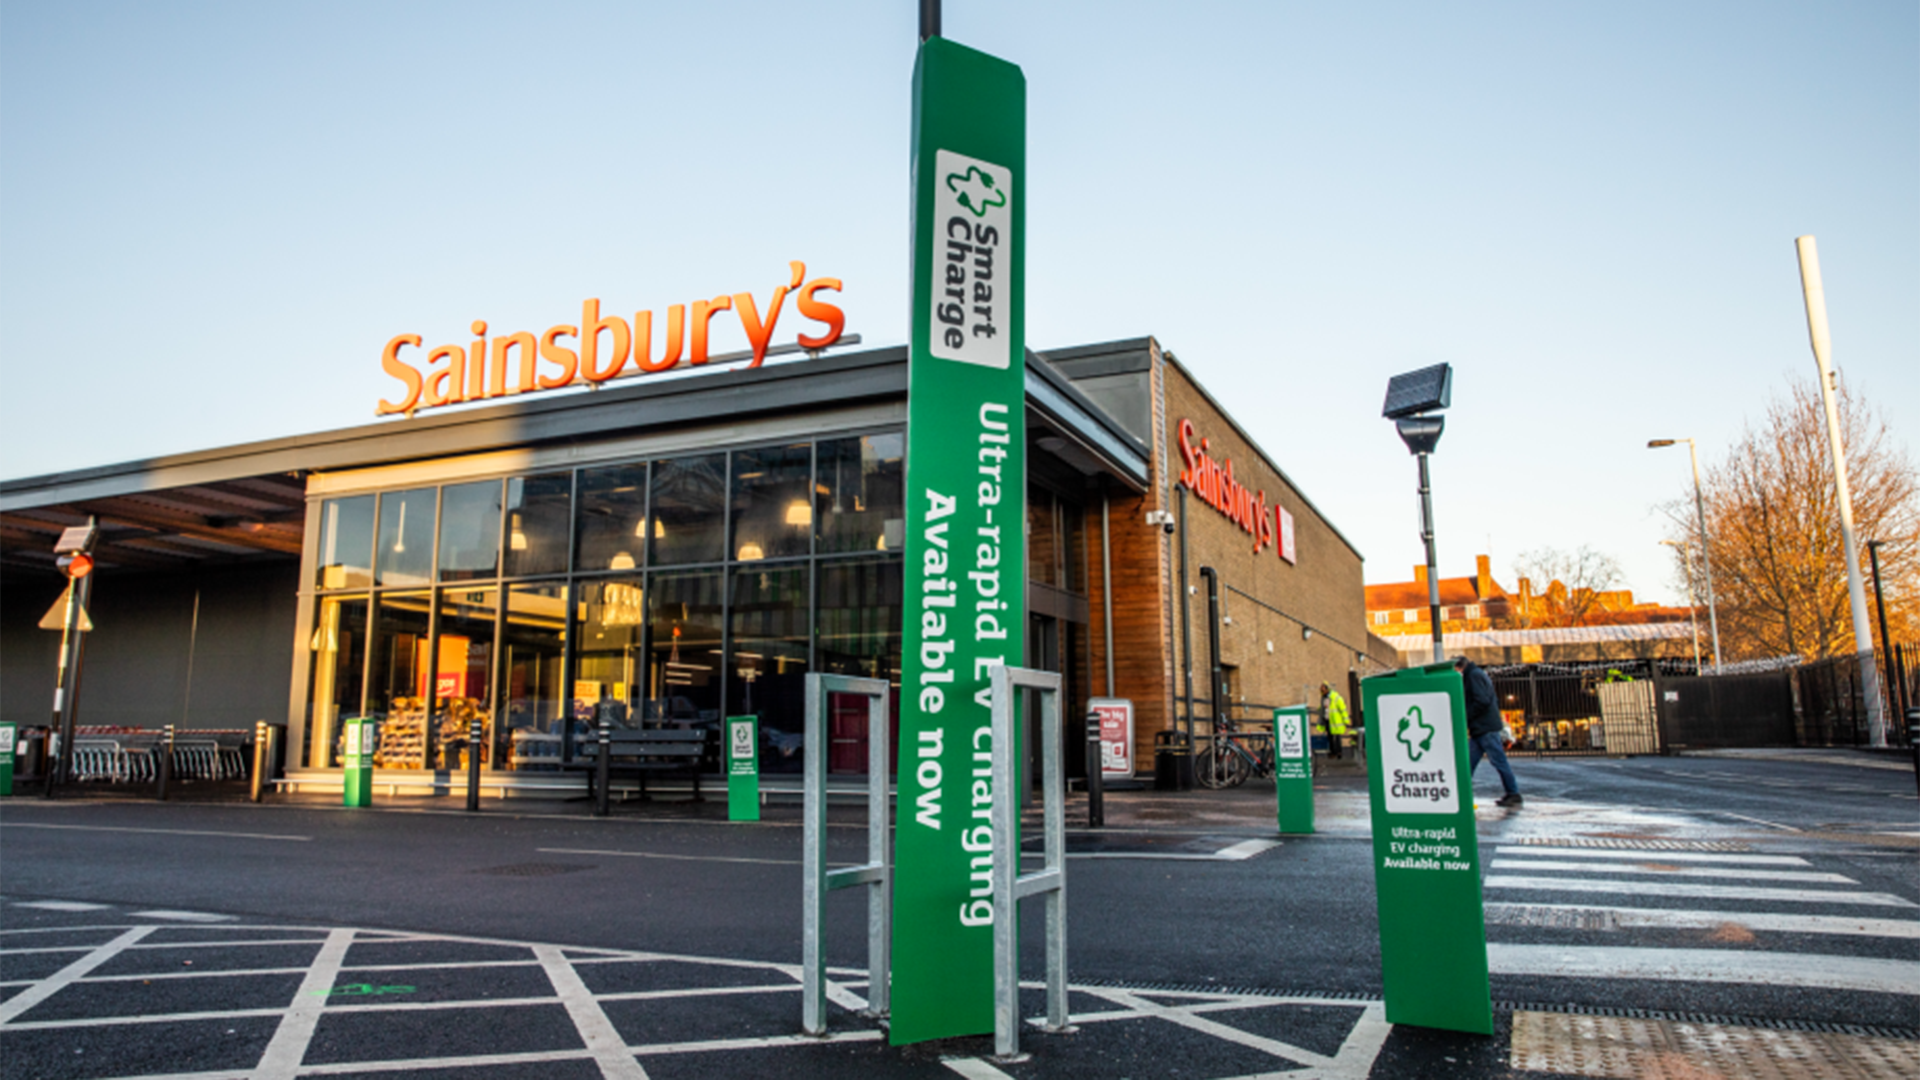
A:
[1706,553]
[1410,397]
[1693,603]
[1896,691]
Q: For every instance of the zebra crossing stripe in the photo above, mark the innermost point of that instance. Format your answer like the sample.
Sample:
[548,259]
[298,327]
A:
[1737,873]
[1640,854]
[1813,971]
[1701,892]
[1586,917]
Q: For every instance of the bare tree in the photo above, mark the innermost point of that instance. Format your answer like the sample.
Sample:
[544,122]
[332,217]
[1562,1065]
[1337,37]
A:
[1563,588]
[1773,528]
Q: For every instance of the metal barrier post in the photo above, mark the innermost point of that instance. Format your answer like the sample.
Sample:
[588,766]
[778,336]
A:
[476,731]
[164,767]
[1096,774]
[1010,886]
[262,759]
[601,769]
[877,871]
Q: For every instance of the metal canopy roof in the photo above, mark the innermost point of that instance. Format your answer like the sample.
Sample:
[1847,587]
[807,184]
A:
[248,501]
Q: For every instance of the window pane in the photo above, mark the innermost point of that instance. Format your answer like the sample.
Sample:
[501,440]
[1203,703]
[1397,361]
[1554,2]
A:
[339,646]
[767,669]
[405,553]
[859,626]
[346,544]
[689,509]
[470,531]
[397,697]
[611,617]
[772,502]
[683,677]
[858,494]
[533,646]
[539,513]
[463,672]
[1043,531]
[613,517]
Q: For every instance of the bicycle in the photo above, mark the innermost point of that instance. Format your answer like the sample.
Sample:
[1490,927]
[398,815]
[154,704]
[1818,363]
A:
[1227,761]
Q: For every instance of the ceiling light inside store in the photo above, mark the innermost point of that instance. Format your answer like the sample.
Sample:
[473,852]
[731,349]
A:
[750,551]
[621,561]
[800,512]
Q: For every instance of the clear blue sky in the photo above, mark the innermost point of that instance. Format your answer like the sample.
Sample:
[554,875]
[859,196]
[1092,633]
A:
[212,216]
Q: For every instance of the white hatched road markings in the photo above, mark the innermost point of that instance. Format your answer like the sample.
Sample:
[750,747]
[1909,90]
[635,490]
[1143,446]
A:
[604,1045]
[1655,866]
[1643,855]
[1703,892]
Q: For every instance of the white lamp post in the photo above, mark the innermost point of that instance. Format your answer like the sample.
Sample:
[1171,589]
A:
[1706,555]
[1693,605]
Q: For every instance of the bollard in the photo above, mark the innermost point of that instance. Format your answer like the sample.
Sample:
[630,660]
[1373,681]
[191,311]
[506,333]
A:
[1913,740]
[164,767]
[262,759]
[1096,778]
[476,731]
[601,770]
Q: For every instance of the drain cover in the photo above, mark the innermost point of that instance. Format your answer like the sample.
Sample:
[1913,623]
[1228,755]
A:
[534,869]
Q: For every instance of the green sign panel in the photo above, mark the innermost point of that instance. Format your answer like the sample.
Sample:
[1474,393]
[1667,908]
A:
[1293,768]
[743,768]
[356,752]
[9,735]
[1426,857]
[966,514]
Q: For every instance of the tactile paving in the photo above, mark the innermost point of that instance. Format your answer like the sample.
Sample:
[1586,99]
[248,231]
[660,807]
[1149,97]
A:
[1609,1046]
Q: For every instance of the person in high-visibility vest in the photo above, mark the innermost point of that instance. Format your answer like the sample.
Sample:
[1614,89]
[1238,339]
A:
[1334,708]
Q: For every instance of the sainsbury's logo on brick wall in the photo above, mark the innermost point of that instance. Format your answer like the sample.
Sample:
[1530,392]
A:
[1214,483]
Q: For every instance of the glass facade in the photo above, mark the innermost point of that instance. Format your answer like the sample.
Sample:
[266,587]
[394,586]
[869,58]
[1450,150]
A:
[665,593]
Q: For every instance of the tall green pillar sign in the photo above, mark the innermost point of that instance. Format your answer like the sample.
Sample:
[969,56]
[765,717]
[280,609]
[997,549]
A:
[966,513]
[1293,769]
[1426,857]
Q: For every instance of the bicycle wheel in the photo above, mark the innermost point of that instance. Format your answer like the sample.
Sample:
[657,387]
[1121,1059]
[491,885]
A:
[1237,767]
[1212,767]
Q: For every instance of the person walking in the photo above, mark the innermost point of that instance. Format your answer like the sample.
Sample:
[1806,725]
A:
[1334,708]
[1485,728]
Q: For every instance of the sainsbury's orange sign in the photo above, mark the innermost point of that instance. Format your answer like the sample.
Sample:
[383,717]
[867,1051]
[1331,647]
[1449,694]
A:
[1213,482]
[603,347]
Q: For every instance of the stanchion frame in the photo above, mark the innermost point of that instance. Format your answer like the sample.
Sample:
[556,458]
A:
[876,872]
[1009,885]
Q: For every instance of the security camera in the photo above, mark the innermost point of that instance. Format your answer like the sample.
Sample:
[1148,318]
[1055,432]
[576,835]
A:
[1168,526]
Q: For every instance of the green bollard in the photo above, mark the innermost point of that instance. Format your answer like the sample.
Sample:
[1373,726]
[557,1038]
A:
[743,768]
[1426,855]
[356,786]
[8,735]
[1293,769]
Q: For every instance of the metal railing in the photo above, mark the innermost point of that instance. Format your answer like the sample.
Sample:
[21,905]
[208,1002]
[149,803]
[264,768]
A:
[1010,886]
[876,873]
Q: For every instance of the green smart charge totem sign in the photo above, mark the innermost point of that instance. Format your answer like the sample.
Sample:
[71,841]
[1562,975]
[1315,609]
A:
[1426,857]
[357,743]
[965,605]
[743,768]
[1293,769]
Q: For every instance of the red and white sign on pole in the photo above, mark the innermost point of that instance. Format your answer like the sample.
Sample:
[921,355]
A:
[1116,736]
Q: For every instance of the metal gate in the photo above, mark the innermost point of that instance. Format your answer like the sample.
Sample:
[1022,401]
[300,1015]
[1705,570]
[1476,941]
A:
[1721,711]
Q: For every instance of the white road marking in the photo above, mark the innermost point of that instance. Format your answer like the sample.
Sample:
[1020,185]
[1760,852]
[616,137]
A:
[62,905]
[1755,820]
[1650,854]
[59,980]
[1185,1018]
[603,1041]
[1741,873]
[1672,918]
[1705,892]
[664,855]
[182,916]
[157,832]
[1245,849]
[1870,974]
[974,1069]
[282,1057]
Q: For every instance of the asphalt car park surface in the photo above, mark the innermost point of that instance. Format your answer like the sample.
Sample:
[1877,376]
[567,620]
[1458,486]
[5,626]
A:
[1200,942]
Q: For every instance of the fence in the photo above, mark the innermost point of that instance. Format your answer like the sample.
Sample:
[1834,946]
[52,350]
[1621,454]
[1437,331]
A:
[1832,708]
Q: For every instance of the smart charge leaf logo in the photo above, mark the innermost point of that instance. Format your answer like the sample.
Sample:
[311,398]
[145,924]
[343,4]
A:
[1416,733]
[976,191]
